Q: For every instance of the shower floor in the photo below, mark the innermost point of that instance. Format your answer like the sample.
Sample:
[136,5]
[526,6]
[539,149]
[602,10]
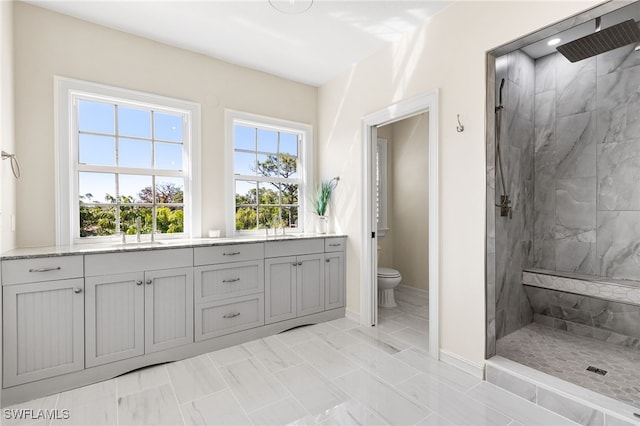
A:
[567,356]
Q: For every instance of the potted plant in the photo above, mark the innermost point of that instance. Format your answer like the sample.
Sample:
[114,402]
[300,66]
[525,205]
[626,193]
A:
[320,201]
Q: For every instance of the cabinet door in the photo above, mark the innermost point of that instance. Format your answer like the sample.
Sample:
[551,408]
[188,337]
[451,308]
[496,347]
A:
[168,308]
[114,318]
[310,284]
[43,330]
[280,289]
[334,280]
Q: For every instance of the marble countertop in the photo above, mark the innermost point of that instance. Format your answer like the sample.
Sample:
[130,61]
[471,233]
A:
[89,248]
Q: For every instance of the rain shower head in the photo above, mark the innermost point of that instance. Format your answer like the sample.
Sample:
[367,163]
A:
[618,35]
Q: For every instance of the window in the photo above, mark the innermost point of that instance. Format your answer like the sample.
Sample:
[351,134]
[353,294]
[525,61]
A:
[381,186]
[125,155]
[269,172]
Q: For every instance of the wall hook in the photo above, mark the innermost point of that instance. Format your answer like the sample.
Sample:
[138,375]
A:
[460,126]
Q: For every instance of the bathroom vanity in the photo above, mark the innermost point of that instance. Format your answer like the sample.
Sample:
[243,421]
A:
[76,316]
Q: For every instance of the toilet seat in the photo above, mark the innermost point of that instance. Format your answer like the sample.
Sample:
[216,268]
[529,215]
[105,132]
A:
[388,273]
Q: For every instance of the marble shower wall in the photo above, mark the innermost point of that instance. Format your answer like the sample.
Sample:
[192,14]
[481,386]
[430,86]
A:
[514,237]
[587,164]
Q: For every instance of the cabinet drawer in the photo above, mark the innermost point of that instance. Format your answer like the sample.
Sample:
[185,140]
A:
[228,316]
[135,261]
[335,244]
[229,280]
[41,269]
[229,253]
[293,248]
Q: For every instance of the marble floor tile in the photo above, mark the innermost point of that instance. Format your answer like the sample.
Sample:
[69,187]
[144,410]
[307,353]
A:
[194,378]
[295,336]
[382,399]
[86,394]
[316,394]
[436,419]
[252,384]
[379,363]
[324,358]
[412,337]
[322,330]
[144,378]
[220,408]
[277,357]
[351,413]
[263,344]
[344,323]
[515,407]
[388,325]
[440,371]
[46,403]
[378,339]
[156,406]
[283,412]
[230,355]
[340,340]
[415,322]
[103,412]
[450,403]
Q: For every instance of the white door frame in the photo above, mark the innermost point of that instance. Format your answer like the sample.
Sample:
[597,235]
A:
[427,102]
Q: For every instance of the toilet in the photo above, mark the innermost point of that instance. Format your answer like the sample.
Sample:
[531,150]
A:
[388,279]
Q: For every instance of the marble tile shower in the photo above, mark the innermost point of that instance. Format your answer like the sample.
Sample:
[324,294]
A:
[514,235]
[587,164]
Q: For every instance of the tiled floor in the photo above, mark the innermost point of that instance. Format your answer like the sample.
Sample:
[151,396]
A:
[335,373]
[567,356]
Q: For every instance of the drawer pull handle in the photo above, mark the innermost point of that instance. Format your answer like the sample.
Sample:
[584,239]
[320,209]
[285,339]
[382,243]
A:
[232,280]
[335,245]
[77,290]
[139,282]
[57,268]
[233,253]
[227,316]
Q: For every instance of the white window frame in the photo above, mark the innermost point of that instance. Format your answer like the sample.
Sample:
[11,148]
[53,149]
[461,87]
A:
[383,189]
[305,131]
[68,91]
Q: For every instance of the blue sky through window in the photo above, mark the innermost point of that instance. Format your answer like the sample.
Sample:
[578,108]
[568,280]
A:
[142,139]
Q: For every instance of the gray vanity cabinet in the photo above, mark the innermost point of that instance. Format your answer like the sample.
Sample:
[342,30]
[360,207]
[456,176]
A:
[137,312]
[334,274]
[43,330]
[294,285]
[42,318]
[114,317]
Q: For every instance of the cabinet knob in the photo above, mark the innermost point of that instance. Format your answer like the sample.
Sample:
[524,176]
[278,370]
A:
[294,264]
[77,290]
[299,263]
[149,282]
[327,260]
[139,282]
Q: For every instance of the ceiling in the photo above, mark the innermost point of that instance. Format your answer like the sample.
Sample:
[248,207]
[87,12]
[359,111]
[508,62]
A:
[311,47]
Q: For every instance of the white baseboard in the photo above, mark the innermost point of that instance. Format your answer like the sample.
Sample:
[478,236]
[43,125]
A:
[352,315]
[476,370]
[417,291]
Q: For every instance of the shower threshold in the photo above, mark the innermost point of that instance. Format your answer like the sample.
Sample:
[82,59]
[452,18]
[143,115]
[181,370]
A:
[578,360]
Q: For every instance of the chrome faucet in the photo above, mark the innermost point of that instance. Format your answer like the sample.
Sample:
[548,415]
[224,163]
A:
[138,226]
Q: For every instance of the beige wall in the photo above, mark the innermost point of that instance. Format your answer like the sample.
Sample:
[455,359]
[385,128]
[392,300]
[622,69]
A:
[385,243]
[409,200]
[7,181]
[48,44]
[447,53]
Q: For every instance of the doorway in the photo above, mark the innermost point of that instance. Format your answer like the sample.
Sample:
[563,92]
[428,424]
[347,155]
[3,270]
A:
[425,103]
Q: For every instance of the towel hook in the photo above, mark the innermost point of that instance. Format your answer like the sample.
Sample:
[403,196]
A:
[460,126]
[15,166]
